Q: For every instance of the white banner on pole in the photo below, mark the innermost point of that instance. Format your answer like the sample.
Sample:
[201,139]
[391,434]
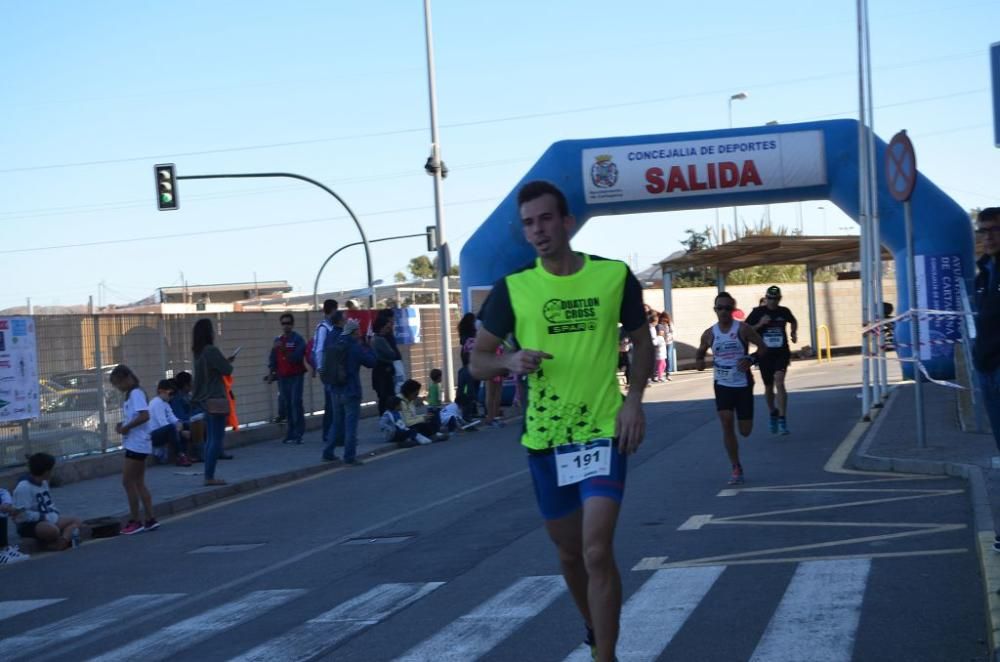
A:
[716,166]
[18,370]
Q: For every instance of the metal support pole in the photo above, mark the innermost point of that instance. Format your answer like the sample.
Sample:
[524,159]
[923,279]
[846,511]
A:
[881,366]
[668,292]
[98,360]
[291,175]
[720,280]
[356,243]
[811,293]
[911,278]
[436,167]
[866,394]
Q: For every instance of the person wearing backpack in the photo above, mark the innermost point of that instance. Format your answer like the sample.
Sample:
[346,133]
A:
[287,363]
[341,372]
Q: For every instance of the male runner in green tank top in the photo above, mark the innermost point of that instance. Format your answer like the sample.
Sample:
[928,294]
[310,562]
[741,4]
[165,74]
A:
[564,310]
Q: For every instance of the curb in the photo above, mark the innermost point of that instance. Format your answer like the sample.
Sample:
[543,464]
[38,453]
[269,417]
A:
[989,561]
[207,497]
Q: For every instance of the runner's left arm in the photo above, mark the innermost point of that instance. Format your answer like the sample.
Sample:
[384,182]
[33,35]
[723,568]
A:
[750,335]
[630,425]
[795,327]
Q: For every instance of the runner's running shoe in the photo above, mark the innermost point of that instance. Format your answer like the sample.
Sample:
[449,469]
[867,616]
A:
[590,641]
[774,422]
[737,477]
[782,426]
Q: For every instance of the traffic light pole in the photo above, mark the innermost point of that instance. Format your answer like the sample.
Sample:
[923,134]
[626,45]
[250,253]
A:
[290,175]
[351,245]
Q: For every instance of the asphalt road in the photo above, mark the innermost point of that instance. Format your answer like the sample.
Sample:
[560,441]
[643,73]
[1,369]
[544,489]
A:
[437,553]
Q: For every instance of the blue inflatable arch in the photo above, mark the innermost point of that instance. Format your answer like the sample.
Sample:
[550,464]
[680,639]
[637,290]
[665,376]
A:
[732,167]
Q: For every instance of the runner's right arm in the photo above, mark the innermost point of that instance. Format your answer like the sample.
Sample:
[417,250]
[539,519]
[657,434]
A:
[699,357]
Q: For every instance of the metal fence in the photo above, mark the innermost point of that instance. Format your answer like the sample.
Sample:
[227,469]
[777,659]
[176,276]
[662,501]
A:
[77,352]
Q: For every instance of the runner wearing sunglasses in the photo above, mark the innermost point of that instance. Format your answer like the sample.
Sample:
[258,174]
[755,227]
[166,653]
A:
[729,340]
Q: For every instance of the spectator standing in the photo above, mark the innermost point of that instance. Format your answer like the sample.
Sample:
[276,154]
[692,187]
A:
[666,329]
[659,349]
[384,372]
[138,445]
[35,514]
[288,364]
[342,370]
[467,396]
[210,393]
[320,336]
[986,351]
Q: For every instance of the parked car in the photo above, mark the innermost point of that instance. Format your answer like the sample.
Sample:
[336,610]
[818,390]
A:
[80,409]
[67,442]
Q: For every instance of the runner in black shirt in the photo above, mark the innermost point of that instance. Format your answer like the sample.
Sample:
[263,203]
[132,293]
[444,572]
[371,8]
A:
[769,321]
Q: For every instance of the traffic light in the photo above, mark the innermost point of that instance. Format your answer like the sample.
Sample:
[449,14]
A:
[166,187]
[432,238]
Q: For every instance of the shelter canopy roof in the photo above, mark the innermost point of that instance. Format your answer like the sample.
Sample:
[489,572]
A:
[759,251]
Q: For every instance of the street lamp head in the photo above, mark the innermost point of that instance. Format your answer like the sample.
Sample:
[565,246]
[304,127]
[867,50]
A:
[739,96]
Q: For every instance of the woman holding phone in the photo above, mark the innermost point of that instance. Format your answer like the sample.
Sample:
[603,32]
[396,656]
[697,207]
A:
[210,393]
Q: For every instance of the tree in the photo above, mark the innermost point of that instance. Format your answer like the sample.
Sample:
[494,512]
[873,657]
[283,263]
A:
[400,277]
[453,271]
[422,267]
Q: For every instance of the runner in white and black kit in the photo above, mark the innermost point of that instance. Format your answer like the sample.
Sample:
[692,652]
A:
[729,341]
[769,321]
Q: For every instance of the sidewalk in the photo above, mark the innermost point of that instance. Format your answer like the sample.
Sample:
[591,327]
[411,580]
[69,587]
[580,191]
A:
[177,489]
[889,445]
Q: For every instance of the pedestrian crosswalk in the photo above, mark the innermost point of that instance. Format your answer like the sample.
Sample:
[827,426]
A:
[816,618]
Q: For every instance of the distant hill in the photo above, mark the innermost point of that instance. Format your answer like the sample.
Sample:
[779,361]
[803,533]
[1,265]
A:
[46,310]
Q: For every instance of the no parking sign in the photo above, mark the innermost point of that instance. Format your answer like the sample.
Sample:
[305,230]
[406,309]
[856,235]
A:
[901,167]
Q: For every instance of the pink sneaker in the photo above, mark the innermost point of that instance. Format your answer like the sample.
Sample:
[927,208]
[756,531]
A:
[132,528]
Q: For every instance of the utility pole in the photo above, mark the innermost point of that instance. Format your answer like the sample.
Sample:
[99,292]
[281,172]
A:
[436,168]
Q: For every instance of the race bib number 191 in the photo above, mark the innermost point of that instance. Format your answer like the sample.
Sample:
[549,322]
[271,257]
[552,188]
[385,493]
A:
[576,462]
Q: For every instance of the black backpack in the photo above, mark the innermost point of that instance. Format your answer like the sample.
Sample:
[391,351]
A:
[335,362]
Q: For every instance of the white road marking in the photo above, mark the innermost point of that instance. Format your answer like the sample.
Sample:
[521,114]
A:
[695,522]
[728,493]
[46,636]
[318,635]
[11,608]
[168,641]
[818,616]
[657,611]
[473,635]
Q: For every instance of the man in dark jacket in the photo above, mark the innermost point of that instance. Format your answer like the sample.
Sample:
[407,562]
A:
[986,352]
[288,365]
[346,396]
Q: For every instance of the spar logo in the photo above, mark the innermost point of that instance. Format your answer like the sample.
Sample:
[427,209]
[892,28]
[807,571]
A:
[571,315]
[604,172]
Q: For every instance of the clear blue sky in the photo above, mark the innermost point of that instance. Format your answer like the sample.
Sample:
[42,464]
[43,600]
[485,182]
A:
[96,93]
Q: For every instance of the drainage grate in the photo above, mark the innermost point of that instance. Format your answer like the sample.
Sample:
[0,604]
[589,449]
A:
[380,540]
[224,549]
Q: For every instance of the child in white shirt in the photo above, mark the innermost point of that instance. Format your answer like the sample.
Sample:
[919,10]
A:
[138,445]
[166,429]
[35,514]
[8,553]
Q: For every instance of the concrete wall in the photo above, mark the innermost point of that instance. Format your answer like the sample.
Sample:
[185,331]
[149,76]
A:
[838,305]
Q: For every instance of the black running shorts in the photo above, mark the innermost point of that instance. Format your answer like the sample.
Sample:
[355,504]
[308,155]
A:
[739,400]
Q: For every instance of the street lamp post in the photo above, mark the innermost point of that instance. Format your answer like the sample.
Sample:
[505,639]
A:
[371,284]
[435,167]
[292,175]
[739,96]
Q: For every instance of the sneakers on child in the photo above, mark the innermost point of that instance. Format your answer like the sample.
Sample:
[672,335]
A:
[13,555]
[151,525]
[422,440]
[132,528]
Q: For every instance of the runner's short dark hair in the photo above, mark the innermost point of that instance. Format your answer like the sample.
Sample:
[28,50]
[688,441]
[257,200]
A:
[725,295]
[287,316]
[989,215]
[329,306]
[538,188]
